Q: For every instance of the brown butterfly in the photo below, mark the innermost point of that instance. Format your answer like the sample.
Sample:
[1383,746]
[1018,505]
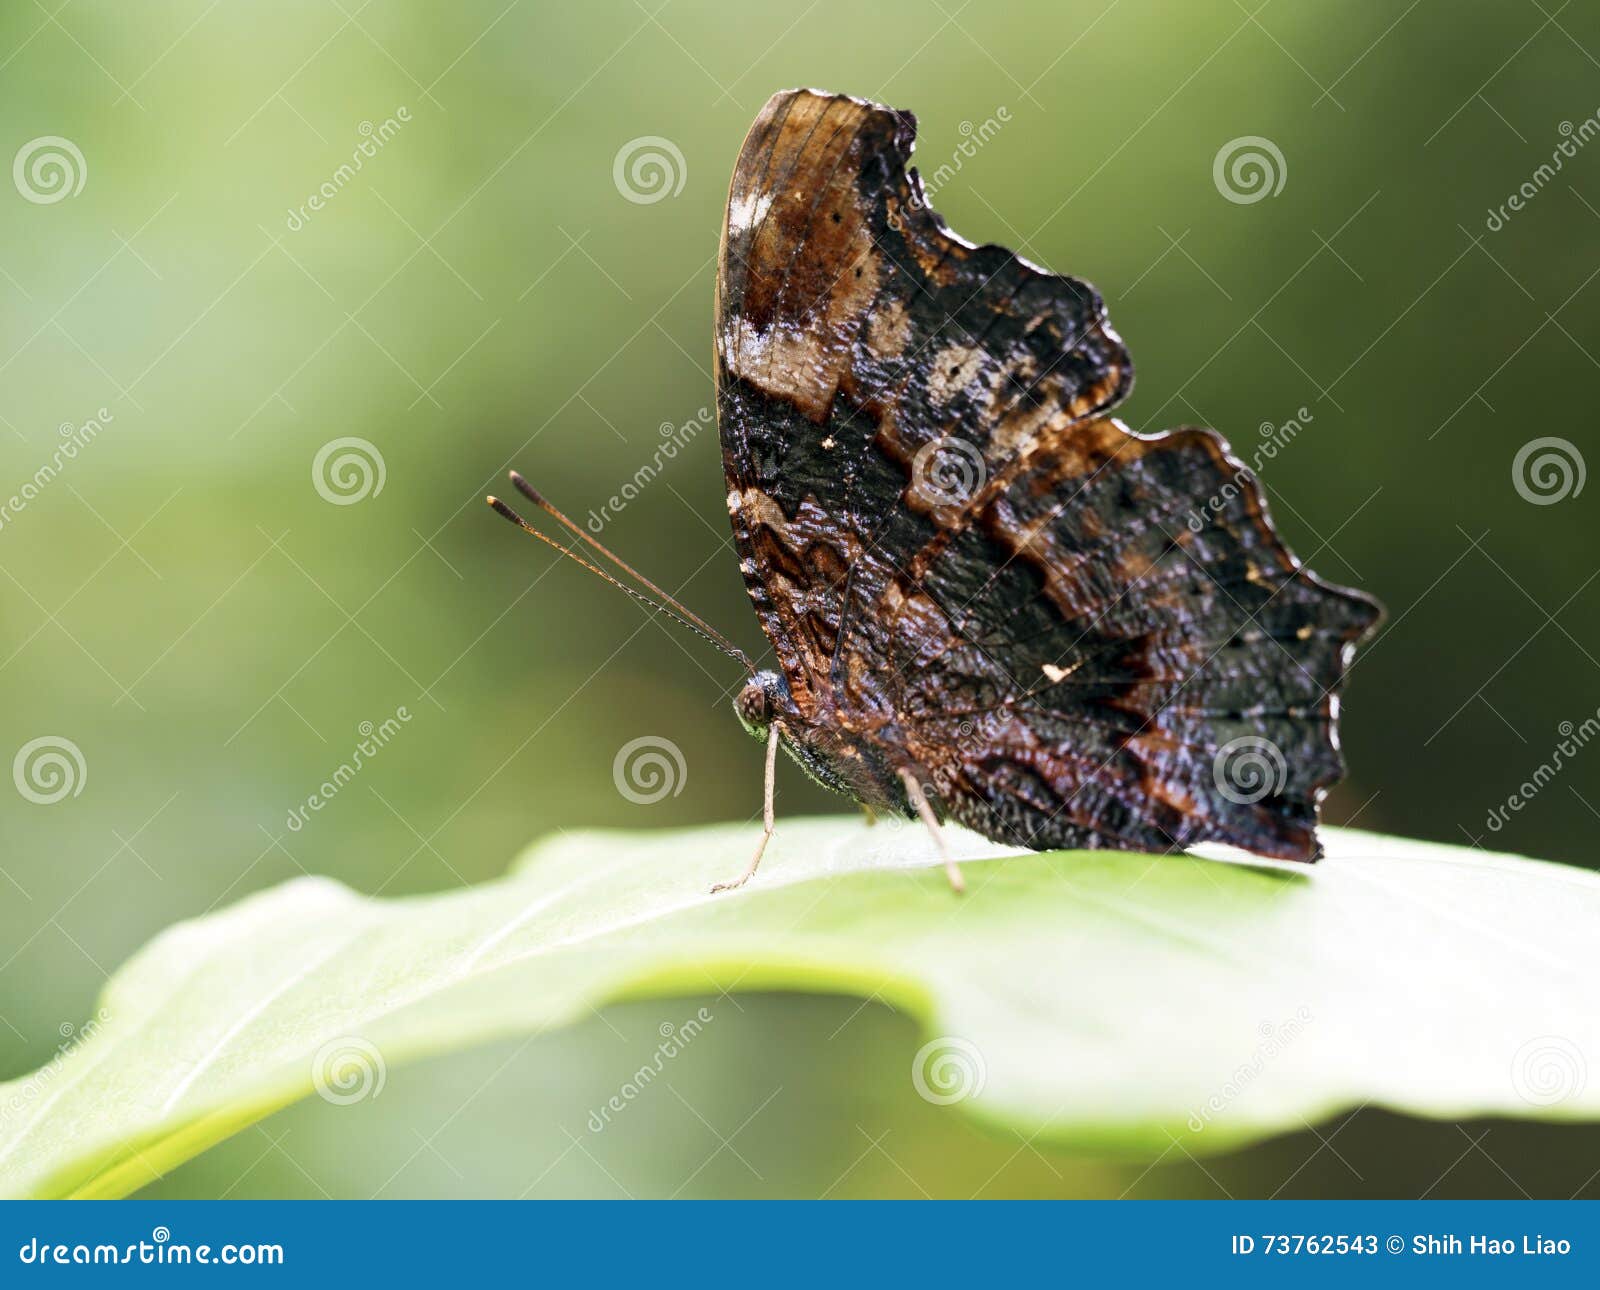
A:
[989,600]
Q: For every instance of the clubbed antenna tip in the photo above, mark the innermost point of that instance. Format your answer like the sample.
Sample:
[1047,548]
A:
[507,512]
[528,490]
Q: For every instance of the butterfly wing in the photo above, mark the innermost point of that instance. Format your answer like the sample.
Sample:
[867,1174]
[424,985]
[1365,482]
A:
[1126,655]
[853,331]
[1080,636]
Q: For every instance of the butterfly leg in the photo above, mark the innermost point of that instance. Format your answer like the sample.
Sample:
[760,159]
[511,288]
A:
[869,813]
[766,815]
[920,801]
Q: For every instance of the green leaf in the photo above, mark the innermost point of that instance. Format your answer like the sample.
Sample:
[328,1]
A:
[1109,1002]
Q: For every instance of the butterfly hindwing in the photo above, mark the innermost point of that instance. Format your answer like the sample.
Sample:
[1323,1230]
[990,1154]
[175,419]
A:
[1130,657]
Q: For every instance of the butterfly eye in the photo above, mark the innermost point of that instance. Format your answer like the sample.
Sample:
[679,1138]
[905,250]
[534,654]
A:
[754,703]
[761,701]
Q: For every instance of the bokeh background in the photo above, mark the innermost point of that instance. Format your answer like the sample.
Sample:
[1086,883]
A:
[185,606]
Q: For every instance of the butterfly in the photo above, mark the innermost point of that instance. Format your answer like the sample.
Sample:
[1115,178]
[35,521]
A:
[989,600]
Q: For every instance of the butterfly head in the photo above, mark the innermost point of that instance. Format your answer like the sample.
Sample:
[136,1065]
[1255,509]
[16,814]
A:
[763,700]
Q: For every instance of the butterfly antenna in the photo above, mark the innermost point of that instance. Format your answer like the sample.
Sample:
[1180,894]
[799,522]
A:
[677,612]
[539,500]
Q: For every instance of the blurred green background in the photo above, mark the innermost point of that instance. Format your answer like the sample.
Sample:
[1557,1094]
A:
[182,603]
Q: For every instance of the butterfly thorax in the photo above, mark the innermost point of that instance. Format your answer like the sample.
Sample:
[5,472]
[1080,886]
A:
[824,750]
